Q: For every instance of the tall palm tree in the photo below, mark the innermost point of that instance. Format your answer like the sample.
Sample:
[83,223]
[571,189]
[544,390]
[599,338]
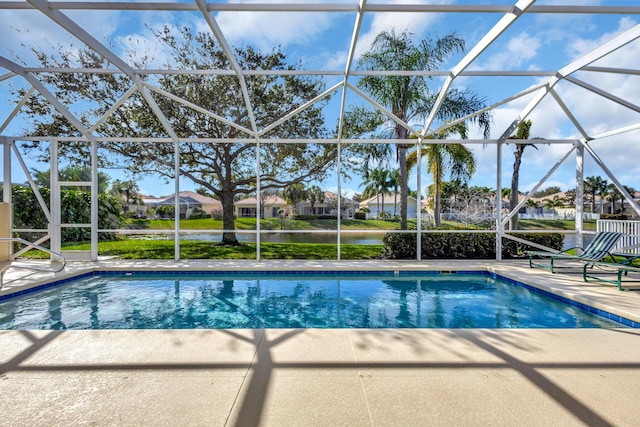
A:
[522,133]
[456,159]
[409,97]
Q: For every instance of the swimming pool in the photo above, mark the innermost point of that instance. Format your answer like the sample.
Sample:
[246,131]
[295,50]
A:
[308,299]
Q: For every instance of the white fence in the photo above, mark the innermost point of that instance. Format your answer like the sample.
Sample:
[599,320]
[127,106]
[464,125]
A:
[630,241]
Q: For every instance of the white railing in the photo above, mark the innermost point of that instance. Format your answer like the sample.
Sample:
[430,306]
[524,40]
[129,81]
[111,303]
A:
[61,261]
[630,241]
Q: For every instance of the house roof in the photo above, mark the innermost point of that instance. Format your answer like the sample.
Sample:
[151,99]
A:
[185,197]
[267,201]
[388,198]
[332,195]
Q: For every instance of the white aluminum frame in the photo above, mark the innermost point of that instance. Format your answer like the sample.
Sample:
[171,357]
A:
[55,11]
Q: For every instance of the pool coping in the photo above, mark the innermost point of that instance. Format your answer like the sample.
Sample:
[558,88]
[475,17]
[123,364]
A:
[601,299]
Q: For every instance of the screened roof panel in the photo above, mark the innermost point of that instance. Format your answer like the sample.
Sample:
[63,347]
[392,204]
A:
[510,46]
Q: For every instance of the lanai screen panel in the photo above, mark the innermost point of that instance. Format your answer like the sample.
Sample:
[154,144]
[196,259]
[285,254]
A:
[569,67]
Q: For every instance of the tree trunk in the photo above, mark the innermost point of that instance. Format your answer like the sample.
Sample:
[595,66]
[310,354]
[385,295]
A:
[515,178]
[436,195]
[395,201]
[228,223]
[404,188]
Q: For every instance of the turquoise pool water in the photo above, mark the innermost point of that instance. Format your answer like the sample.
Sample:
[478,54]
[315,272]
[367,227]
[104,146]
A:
[305,300]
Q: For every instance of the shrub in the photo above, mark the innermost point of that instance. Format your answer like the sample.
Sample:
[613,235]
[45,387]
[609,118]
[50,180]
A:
[198,213]
[75,208]
[327,217]
[399,246]
[616,217]
[360,215]
[384,215]
[166,211]
[463,245]
[216,214]
[305,217]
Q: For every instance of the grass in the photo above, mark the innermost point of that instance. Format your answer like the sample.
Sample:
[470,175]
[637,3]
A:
[347,224]
[554,224]
[192,249]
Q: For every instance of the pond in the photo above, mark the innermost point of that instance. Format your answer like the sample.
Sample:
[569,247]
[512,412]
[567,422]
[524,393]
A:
[351,238]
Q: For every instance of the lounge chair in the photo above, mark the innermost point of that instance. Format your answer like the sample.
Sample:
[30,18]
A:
[597,251]
[619,268]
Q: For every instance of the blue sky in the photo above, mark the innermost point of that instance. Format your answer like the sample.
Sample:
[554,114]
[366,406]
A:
[320,40]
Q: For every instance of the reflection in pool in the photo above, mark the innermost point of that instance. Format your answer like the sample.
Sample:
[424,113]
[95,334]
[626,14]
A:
[303,300]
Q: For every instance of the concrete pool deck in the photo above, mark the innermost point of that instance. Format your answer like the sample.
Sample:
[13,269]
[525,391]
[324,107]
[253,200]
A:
[315,377]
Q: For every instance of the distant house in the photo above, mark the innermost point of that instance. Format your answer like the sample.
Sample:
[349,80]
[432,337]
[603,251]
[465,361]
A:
[148,202]
[188,200]
[270,207]
[391,205]
[329,206]
[543,209]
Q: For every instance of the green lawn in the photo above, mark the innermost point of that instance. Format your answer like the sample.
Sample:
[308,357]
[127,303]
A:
[191,249]
[554,224]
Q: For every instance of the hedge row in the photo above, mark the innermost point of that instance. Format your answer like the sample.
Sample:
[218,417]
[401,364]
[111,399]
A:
[464,245]
[75,209]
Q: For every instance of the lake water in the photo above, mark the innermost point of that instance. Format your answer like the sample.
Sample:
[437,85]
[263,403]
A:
[350,238]
[346,238]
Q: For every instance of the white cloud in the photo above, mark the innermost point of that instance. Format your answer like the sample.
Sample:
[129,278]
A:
[517,51]
[415,23]
[266,30]
[333,60]
[581,46]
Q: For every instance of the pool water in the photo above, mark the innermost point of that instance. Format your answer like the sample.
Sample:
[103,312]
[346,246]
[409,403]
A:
[179,301]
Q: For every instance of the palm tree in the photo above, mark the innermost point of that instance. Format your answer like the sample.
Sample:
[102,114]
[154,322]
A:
[631,192]
[128,190]
[522,133]
[594,185]
[612,194]
[570,197]
[409,97]
[294,194]
[456,159]
[556,202]
[377,183]
[530,203]
[394,181]
[314,194]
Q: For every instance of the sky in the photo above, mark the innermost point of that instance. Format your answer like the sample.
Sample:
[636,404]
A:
[320,41]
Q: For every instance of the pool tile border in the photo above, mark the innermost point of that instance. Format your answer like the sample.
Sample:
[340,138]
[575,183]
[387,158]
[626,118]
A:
[355,273]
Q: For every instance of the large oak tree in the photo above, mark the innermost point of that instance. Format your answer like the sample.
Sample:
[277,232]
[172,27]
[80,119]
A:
[226,169]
